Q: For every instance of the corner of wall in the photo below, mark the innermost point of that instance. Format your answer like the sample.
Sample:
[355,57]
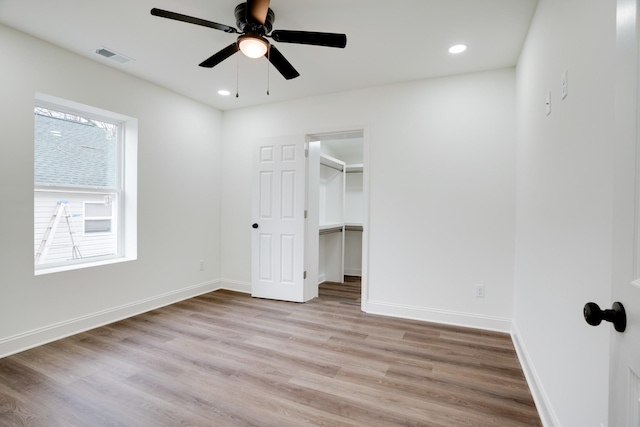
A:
[235,286]
[543,405]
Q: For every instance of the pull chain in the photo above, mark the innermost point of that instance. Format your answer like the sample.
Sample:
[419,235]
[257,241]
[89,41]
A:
[268,68]
[237,75]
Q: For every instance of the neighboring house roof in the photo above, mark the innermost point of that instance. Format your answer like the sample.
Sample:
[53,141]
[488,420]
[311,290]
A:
[73,154]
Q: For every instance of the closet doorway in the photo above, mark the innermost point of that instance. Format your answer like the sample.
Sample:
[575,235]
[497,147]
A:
[336,195]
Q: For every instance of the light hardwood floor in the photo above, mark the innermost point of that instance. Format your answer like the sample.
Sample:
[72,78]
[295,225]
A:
[225,359]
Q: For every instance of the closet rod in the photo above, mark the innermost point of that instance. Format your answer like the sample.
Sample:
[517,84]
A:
[348,171]
[332,167]
[331,230]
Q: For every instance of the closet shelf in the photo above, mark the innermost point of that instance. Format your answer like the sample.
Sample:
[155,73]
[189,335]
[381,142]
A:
[331,162]
[331,231]
[331,226]
[354,168]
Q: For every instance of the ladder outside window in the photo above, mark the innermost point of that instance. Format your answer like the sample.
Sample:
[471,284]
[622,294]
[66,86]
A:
[61,211]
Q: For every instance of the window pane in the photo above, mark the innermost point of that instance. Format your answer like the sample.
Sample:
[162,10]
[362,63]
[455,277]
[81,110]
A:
[92,210]
[97,226]
[74,151]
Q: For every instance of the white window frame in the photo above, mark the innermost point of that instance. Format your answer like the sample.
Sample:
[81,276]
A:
[111,217]
[125,193]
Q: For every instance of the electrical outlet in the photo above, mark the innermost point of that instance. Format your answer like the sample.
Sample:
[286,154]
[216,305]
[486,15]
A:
[479,291]
[201,265]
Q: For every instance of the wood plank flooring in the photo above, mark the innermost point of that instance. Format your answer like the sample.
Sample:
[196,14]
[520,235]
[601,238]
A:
[225,359]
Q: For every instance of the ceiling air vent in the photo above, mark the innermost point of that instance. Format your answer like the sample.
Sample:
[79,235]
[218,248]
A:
[113,56]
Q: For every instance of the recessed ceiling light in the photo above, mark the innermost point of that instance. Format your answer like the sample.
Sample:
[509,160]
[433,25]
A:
[224,92]
[459,48]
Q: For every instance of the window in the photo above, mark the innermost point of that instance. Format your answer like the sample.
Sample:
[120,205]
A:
[98,217]
[84,197]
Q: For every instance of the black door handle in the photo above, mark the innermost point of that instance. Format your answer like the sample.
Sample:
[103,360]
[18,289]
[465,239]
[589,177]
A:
[255,225]
[617,315]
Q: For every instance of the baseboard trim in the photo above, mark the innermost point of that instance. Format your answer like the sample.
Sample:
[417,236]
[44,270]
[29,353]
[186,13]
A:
[235,285]
[543,405]
[468,320]
[40,336]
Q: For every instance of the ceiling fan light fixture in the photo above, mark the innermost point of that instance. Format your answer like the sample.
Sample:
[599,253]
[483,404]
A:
[253,46]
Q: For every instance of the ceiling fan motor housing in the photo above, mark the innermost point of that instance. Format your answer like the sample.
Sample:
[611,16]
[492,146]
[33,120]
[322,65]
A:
[247,25]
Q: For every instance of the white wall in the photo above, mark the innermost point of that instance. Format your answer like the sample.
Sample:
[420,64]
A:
[564,196]
[442,179]
[178,197]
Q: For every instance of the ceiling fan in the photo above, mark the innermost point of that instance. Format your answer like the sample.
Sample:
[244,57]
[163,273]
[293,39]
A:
[254,20]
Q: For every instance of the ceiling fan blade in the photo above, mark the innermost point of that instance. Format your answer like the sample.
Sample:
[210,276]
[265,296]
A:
[217,58]
[258,9]
[191,20]
[310,37]
[281,63]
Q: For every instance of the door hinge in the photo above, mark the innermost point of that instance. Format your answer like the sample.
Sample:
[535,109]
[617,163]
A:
[306,152]
[304,276]
[305,214]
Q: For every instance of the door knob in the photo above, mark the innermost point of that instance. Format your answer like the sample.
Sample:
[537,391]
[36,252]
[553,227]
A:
[616,315]
[255,225]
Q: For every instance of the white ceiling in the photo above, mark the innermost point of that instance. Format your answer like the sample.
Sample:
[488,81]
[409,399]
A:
[388,41]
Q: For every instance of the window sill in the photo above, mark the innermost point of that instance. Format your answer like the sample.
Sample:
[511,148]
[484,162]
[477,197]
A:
[60,268]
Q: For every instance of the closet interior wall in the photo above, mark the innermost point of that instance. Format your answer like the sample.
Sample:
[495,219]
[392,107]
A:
[340,208]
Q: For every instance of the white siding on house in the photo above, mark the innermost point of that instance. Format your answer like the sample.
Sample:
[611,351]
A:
[90,245]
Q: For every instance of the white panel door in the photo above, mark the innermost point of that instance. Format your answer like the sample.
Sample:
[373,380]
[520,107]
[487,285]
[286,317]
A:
[278,240]
[624,389]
